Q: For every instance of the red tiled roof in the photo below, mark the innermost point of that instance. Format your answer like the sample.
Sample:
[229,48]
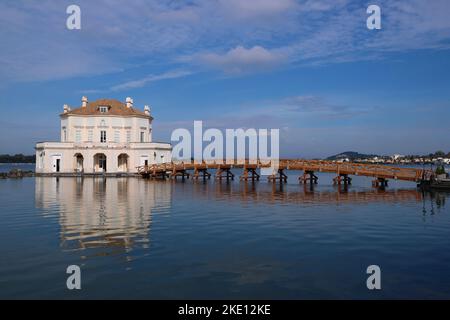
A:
[115,108]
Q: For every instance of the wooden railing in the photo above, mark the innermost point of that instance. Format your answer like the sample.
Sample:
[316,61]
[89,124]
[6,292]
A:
[346,168]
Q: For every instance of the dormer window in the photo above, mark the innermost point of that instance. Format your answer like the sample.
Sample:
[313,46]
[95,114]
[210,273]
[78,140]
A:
[103,109]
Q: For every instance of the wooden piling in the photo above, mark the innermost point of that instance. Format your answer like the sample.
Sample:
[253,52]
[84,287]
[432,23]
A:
[221,170]
[201,172]
[380,183]
[249,174]
[342,178]
[308,176]
[280,176]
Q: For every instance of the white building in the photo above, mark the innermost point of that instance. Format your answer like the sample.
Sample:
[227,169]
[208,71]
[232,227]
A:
[103,136]
[397,157]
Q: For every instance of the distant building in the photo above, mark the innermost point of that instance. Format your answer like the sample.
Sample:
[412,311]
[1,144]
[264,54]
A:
[103,136]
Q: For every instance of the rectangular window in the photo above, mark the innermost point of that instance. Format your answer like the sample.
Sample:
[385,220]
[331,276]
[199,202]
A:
[142,136]
[102,136]
[90,134]
[103,109]
[128,136]
[116,136]
[78,136]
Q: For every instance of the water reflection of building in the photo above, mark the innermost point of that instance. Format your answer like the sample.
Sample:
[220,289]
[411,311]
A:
[108,215]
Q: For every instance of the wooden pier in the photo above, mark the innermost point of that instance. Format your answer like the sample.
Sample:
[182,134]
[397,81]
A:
[381,173]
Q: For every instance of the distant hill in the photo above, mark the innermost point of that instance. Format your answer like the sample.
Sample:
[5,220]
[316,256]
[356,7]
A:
[351,155]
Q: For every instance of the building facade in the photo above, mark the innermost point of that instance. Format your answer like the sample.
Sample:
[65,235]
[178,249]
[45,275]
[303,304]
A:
[101,137]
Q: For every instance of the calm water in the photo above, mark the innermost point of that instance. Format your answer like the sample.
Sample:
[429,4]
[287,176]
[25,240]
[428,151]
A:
[134,238]
[6,167]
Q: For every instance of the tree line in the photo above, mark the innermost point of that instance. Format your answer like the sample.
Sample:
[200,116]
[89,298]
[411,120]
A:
[437,154]
[17,158]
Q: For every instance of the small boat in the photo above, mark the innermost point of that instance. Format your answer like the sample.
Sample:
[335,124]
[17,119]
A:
[439,180]
[440,184]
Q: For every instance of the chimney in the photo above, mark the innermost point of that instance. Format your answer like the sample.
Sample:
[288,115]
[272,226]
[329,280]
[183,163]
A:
[129,102]
[147,110]
[84,102]
[66,108]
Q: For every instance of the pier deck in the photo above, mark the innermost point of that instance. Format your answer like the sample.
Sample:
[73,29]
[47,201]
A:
[381,173]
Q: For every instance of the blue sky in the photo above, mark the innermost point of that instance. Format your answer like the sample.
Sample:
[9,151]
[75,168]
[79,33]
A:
[310,68]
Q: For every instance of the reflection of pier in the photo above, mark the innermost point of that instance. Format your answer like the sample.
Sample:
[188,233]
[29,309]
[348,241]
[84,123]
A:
[380,173]
[276,193]
[108,215]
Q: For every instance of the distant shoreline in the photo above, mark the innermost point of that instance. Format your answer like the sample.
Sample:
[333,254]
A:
[17,158]
[16,163]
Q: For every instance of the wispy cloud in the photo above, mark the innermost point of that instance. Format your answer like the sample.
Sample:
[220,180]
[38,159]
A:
[231,36]
[142,82]
[287,112]
[241,60]
[256,9]
[150,78]
[314,105]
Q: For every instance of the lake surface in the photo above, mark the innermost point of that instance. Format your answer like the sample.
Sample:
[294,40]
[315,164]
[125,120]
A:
[134,238]
[6,167]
